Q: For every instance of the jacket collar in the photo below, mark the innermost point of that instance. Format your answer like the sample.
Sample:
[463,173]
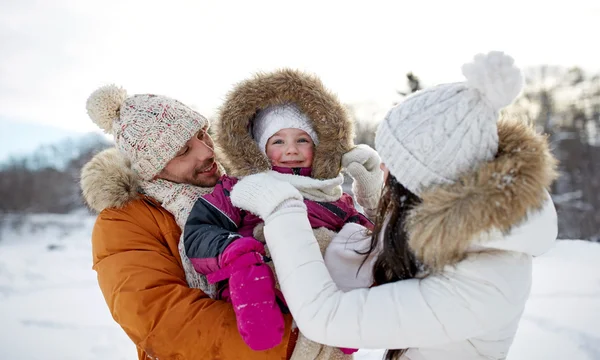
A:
[495,198]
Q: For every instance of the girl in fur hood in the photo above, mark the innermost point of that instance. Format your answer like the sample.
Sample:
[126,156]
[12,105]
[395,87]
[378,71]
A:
[287,123]
[465,196]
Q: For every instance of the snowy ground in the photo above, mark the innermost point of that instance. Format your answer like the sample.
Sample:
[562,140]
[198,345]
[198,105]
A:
[51,308]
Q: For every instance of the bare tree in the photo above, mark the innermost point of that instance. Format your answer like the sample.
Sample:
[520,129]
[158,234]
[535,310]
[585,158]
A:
[565,104]
[48,180]
[364,128]
[414,84]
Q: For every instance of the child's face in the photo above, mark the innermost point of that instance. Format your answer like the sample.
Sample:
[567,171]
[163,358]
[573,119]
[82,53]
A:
[290,148]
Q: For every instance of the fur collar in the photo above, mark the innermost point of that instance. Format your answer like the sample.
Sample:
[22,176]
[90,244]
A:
[496,196]
[108,181]
[241,155]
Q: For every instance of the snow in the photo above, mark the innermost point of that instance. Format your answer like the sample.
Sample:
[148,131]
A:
[50,304]
[51,307]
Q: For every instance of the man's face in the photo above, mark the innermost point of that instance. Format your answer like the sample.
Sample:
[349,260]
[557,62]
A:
[194,164]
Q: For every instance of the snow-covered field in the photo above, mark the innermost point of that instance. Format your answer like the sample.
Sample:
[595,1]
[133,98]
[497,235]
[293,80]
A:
[52,309]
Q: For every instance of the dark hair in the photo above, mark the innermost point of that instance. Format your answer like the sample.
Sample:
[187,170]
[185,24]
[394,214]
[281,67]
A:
[395,260]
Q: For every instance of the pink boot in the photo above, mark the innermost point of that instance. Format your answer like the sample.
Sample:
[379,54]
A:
[252,293]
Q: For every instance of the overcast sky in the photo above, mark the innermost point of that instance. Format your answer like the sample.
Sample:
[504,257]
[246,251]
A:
[53,54]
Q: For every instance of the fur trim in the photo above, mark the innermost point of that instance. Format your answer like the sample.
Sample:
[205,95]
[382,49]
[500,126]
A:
[497,195]
[108,181]
[242,155]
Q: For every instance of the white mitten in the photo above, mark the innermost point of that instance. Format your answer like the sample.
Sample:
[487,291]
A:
[262,194]
[343,261]
[363,164]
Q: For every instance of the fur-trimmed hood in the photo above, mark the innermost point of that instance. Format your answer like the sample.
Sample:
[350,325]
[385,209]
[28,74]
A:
[504,204]
[241,155]
[107,180]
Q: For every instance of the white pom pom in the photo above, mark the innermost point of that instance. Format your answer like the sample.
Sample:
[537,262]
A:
[103,106]
[495,76]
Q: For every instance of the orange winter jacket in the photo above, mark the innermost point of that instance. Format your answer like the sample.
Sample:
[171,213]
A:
[141,277]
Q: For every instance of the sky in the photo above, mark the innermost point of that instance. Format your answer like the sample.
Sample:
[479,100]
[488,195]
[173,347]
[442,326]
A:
[53,54]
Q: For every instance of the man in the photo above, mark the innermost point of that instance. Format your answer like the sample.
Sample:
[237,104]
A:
[159,142]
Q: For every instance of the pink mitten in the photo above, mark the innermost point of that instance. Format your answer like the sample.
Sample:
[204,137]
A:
[252,293]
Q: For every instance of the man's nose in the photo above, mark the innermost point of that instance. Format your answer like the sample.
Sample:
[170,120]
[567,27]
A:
[202,151]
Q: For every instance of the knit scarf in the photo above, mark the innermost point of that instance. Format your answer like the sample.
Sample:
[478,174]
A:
[314,189]
[179,199]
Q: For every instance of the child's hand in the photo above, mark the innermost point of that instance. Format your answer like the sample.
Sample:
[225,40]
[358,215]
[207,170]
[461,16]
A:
[251,290]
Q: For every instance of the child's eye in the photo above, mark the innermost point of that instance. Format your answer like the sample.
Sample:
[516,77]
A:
[277,142]
[303,140]
[200,135]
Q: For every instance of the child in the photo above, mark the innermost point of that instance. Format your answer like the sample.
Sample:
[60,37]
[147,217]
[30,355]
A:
[219,238]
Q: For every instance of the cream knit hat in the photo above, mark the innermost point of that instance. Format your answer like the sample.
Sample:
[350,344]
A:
[437,134]
[148,129]
[270,120]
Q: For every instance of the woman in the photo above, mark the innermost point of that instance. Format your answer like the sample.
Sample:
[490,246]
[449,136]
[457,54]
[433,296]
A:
[464,209]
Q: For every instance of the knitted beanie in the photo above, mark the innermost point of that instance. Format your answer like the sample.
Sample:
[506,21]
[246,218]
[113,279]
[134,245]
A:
[148,129]
[438,134]
[270,120]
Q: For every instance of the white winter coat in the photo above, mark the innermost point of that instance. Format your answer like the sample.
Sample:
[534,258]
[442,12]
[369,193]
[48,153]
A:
[478,236]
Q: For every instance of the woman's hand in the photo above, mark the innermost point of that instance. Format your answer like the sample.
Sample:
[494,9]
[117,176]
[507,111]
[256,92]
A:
[363,164]
[262,194]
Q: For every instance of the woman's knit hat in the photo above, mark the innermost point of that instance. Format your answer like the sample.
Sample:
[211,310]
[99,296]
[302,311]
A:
[437,134]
